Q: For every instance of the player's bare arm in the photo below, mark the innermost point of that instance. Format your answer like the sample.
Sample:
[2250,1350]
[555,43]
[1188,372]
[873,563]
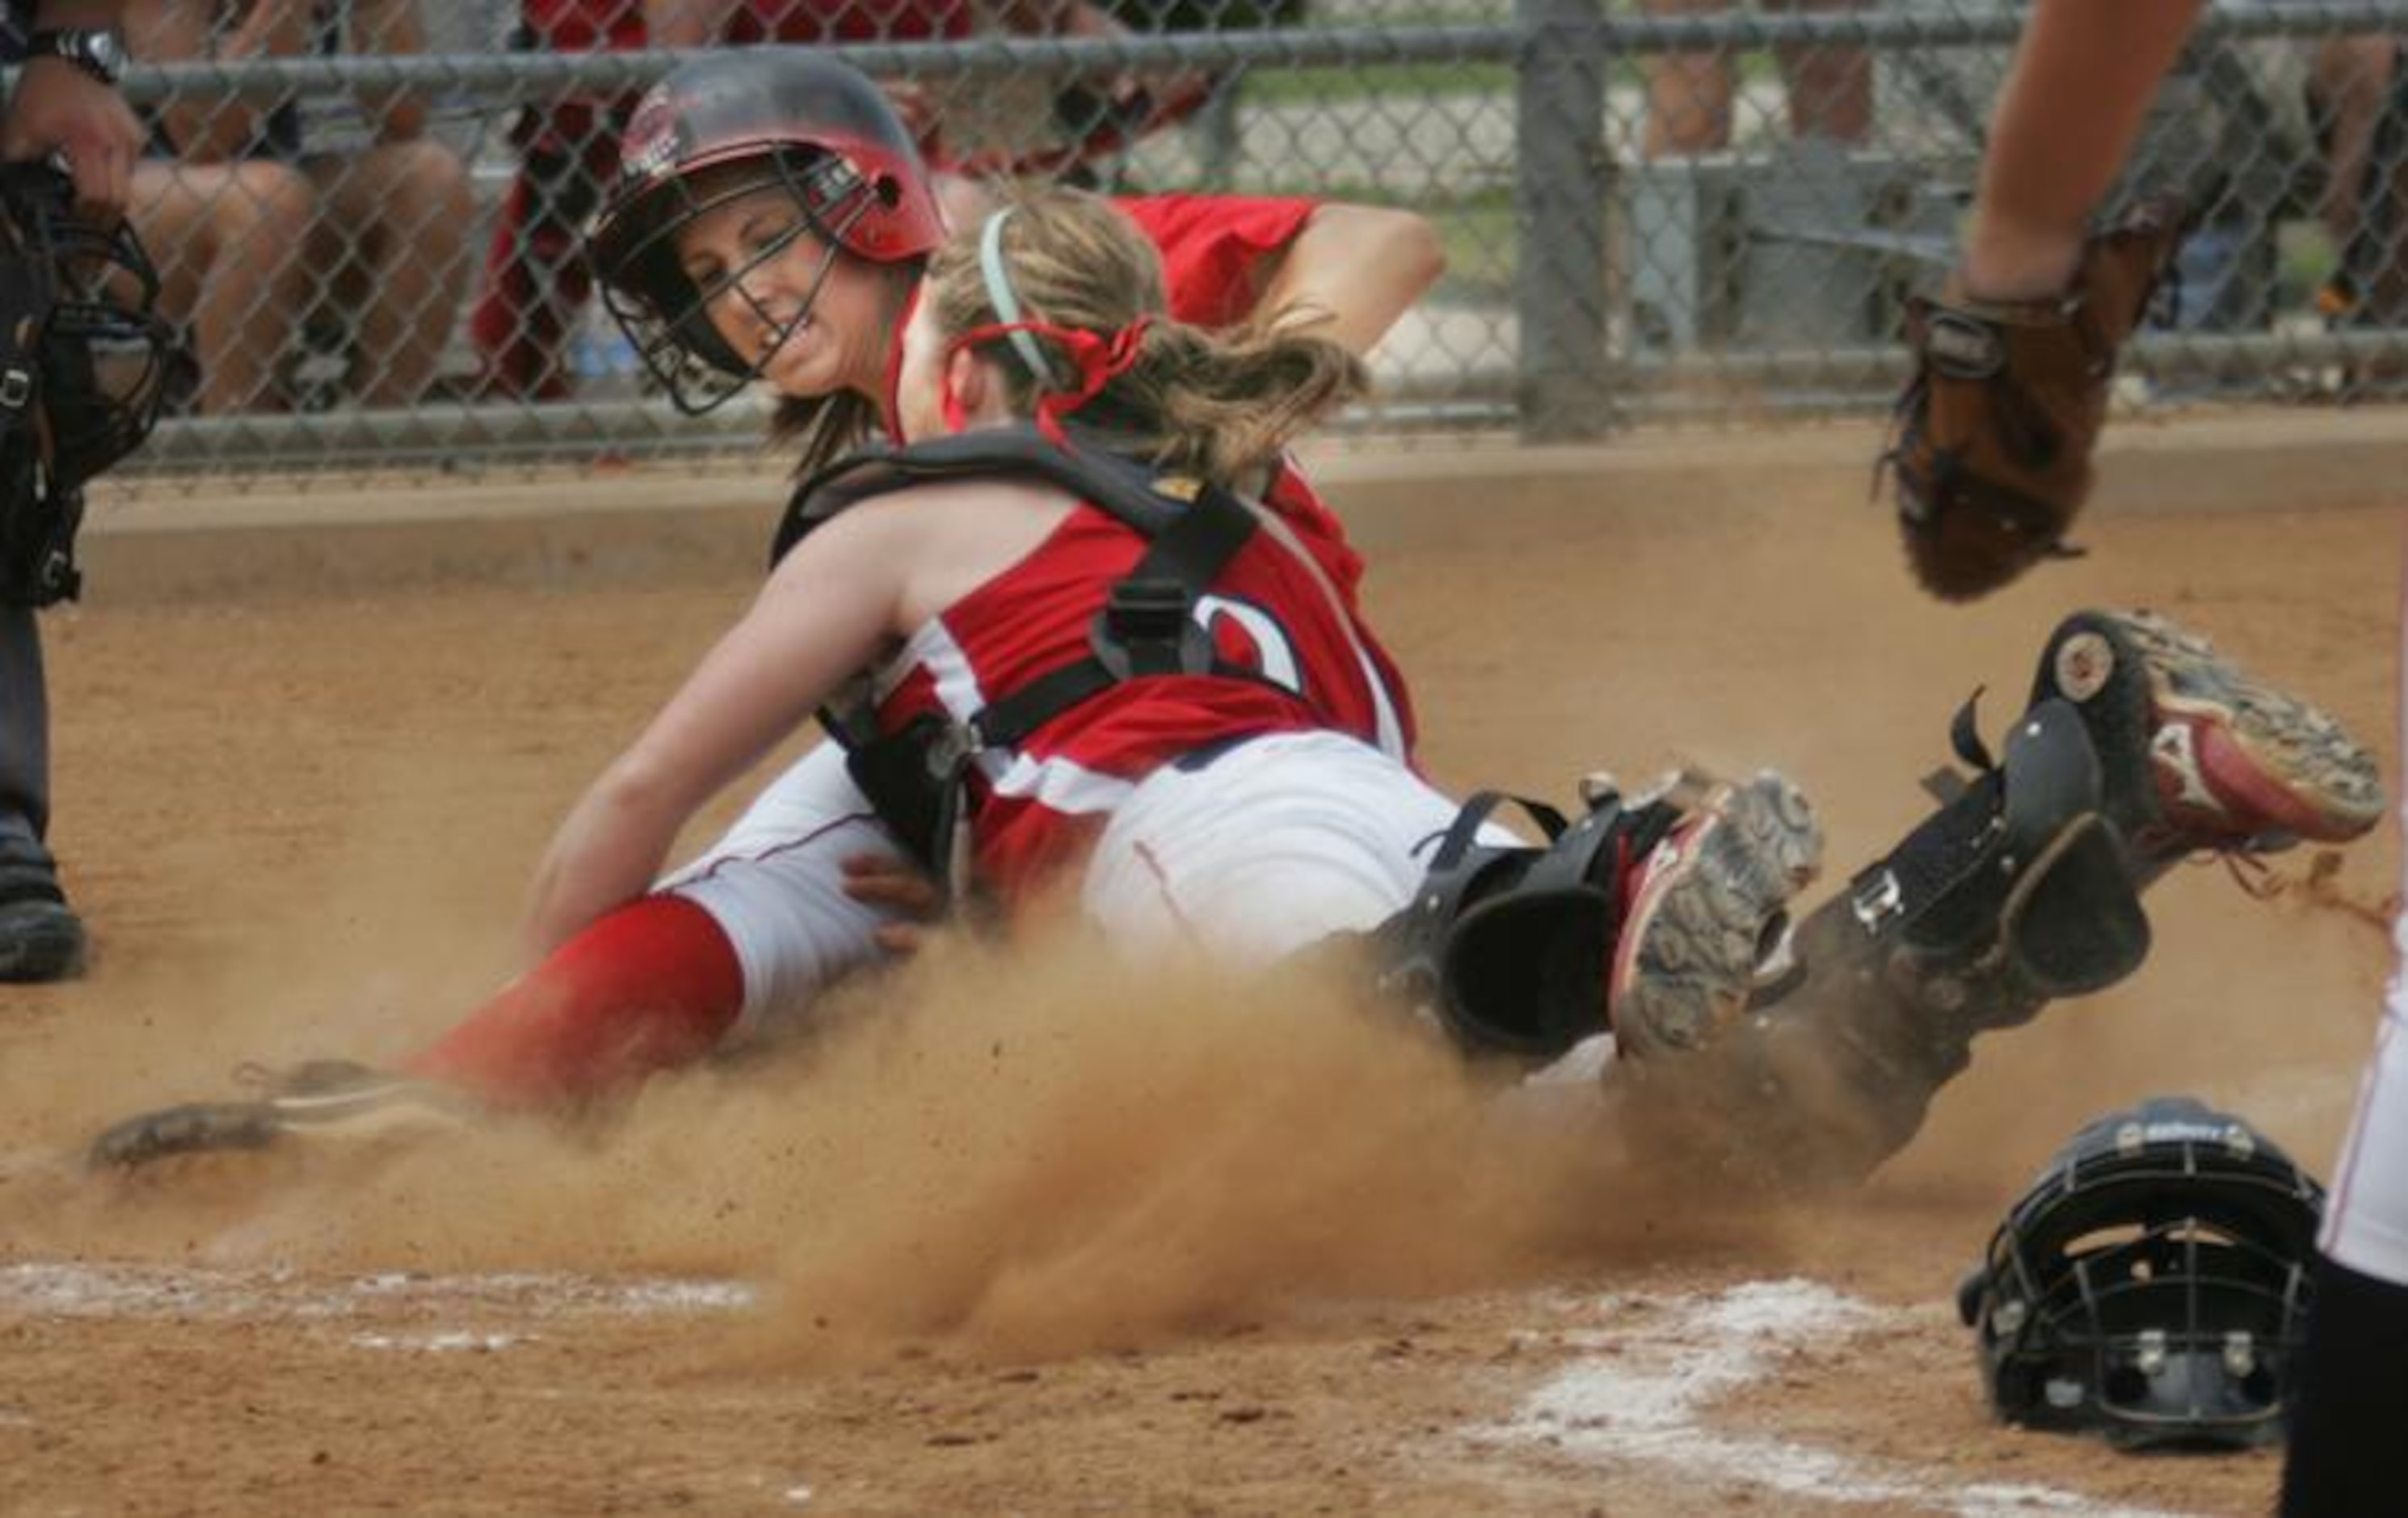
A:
[840,598]
[1353,271]
[2074,100]
[826,612]
[392,28]
[2014,359]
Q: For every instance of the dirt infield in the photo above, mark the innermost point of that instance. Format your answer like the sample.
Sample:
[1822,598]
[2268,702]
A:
[1031,1236]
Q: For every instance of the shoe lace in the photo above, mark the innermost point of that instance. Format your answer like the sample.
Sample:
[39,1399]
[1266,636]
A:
[2318,886]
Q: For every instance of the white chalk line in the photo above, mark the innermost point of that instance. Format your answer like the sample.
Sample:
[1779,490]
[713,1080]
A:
[81,1289]
[1638,1390]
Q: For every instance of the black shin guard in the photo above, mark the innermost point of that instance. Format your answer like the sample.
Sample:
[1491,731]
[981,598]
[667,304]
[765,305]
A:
[2017,890]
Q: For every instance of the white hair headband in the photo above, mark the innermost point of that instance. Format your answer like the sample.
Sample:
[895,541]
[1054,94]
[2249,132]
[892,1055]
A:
[1006,305]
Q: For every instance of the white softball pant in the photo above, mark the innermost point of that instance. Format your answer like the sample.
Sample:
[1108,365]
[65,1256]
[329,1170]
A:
[1270,847]
[775,884]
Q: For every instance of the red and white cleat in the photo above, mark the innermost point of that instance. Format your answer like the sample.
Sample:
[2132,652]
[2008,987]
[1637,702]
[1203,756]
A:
[2197,755]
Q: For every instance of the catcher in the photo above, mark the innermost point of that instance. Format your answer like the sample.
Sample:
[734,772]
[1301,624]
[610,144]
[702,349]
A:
[2012,361]
[1063,644]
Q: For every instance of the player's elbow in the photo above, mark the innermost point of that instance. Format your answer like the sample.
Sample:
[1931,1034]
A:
[1417,250]
[1398,251]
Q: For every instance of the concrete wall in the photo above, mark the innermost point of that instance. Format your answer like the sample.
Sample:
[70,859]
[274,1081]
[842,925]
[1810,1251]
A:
[650,524]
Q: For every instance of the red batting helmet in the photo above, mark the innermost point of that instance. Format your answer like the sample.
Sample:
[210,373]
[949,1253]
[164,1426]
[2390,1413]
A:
[815,126]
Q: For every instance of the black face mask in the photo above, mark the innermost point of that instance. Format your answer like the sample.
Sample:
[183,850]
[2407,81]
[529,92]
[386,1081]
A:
[84,363]
[84,356]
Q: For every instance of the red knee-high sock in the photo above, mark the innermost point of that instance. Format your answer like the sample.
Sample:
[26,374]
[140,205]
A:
[653,985]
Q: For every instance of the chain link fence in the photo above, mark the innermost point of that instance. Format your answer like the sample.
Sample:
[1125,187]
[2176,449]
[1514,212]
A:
[368,217]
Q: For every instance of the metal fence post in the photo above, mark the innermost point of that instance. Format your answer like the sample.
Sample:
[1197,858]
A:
[1560,186]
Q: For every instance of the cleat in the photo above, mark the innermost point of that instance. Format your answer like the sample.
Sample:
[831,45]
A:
[40,940]
[1708,909]
[320,1100]
[2214,759]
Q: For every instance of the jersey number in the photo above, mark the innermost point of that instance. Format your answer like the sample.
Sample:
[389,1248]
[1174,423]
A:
[1249,637]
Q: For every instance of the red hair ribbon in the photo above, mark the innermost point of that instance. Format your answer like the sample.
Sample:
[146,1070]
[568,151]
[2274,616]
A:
[1097,359]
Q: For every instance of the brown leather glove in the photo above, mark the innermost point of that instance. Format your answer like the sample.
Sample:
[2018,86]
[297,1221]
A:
[1996,428]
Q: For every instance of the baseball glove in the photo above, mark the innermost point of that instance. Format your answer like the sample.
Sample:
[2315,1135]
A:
[1995,430]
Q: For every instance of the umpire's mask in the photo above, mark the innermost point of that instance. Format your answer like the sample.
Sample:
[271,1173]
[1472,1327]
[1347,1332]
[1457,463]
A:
[84,360]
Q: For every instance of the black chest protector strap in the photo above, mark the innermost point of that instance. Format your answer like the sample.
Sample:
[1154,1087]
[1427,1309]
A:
[1147,627]
[1130,490]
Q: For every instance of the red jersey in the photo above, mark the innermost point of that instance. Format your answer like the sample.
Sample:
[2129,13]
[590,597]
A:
[1034,809]
[1214,248]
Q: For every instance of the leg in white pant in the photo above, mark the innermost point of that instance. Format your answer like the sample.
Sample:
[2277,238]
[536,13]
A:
[775,884]
[1266,850]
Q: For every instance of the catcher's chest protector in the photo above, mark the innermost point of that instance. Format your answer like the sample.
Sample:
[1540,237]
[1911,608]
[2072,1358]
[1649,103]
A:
[914,776]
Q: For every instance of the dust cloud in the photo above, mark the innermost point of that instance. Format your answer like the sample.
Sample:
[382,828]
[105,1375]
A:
[1033,1149]
[1020,1152]
[1036,1153]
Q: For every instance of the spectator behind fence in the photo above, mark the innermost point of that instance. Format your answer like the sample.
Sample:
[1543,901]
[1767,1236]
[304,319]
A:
[255,229]
[1689,94]
[218,198]
[389,253]
[2361,119]
[2253,133]
[536,284]
[1215,115]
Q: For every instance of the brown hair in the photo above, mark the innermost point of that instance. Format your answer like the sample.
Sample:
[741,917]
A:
[1218,406]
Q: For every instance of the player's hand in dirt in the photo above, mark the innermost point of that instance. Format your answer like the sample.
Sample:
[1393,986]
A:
[885,880]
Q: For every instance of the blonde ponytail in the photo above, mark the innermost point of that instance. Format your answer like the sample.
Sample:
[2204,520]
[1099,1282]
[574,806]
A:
[1220,407]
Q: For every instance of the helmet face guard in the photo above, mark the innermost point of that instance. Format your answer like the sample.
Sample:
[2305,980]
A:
[771,119]
[666,315]
[2153,1285]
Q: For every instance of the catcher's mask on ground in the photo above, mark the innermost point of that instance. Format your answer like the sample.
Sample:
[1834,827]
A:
[808,126]
[84,357]
[2153,1285]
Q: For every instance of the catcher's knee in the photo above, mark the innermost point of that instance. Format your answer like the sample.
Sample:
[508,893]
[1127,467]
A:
[1507,947]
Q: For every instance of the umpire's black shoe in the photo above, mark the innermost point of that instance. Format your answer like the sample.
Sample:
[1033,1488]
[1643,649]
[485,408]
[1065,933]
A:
[40,939]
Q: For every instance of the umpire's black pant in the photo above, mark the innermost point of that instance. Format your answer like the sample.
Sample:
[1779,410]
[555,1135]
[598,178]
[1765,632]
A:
[24,732]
